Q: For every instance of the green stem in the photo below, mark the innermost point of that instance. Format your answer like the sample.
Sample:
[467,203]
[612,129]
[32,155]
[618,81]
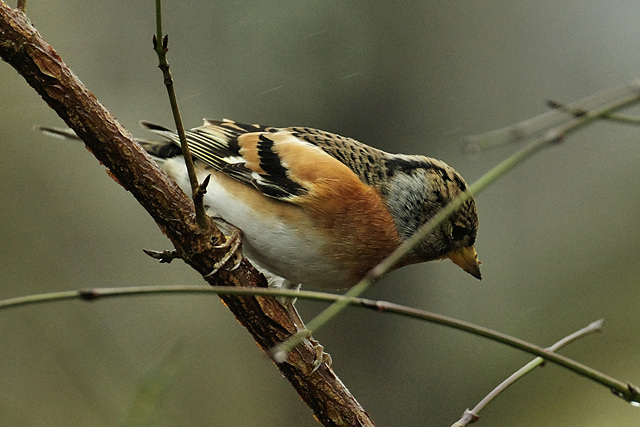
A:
[387,264]
[624,390]
[553,136]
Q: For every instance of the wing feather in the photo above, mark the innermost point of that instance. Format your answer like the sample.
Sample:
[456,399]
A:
[247,153]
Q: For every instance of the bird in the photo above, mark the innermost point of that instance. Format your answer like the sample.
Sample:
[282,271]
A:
[317,208]
[314,207]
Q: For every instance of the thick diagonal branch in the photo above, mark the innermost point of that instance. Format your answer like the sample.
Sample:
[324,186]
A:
[22,47]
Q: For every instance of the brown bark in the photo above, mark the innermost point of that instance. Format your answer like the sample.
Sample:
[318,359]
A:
[268,322]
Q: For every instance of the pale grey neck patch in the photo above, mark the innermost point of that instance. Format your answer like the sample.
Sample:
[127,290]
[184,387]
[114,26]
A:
[410,199]
[413,198]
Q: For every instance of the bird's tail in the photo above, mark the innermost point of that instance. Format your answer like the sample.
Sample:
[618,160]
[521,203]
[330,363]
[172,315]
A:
[159,150]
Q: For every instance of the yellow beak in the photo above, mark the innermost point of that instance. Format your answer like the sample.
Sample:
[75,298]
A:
[466,259]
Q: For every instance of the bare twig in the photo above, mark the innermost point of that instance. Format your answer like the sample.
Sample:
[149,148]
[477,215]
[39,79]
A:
[162,256]
[471,415]
[620,118]
[536,126]
[161,50]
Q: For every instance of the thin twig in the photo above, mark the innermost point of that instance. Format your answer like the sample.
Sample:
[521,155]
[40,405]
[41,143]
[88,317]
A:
[22,6]
[162,256]
[620,388]
[536,126]
[620,118]
[549,138]
[161,50]
[471,415]
[630,95]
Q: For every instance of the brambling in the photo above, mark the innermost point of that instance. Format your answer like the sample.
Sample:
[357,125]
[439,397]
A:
[317,208]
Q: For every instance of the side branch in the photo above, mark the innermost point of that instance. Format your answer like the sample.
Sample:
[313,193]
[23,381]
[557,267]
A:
[161,50]
[23,48]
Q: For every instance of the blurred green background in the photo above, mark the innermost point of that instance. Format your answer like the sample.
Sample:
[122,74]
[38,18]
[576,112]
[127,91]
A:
[558,237]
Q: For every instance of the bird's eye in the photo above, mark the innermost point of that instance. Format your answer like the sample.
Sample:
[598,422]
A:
[458,233]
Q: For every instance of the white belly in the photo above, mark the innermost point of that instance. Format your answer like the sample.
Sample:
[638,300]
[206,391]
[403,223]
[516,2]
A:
[296,254]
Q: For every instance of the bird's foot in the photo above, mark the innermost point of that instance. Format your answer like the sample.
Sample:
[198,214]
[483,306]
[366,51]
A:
[321,357]
[232,243]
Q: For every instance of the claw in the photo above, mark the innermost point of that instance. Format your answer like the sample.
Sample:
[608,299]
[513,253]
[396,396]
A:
[321,356]
[232,244]
[238,260]
[233,253]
